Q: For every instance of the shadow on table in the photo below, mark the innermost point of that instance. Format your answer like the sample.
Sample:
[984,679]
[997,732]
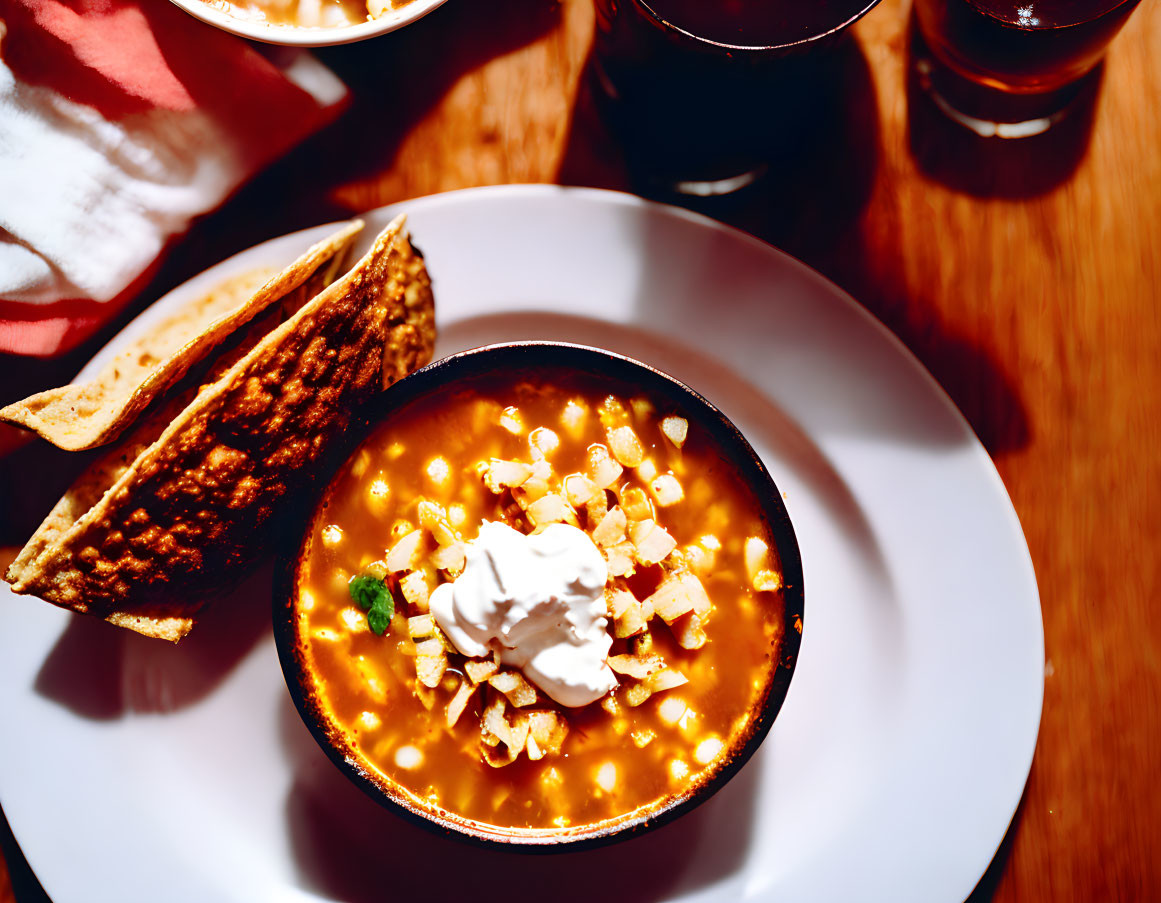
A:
[396,80]
[986,889]
[975,380]
[102,672]
[982,166]
[348,847]
[25,887]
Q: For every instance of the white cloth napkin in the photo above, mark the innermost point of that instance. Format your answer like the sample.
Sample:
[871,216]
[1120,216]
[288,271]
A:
[120,122]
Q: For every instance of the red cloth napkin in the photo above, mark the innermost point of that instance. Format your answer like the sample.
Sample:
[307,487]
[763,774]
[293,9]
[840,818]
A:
[121,121]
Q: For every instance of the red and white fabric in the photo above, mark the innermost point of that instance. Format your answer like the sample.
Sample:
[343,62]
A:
[120,122]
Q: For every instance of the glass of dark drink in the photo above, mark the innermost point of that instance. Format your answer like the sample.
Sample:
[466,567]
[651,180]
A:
[1011,68]
[703,94]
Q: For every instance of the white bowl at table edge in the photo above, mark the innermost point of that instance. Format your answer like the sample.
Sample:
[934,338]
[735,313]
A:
[301,36]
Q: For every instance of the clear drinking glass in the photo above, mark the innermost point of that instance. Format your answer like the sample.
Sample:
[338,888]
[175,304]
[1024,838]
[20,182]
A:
[1012,67]
[701,93]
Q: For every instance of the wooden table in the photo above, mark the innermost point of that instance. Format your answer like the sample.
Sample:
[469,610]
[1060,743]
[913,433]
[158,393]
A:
[1026,278]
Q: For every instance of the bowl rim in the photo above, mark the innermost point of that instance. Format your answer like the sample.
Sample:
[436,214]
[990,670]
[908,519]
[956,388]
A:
[307,36]
[659,21]
[518,356]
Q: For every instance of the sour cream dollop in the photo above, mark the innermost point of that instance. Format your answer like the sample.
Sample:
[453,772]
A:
[540,601]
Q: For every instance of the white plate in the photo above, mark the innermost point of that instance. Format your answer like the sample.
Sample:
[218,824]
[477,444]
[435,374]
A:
[131,770]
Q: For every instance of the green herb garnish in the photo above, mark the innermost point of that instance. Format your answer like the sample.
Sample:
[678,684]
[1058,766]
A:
[373,596]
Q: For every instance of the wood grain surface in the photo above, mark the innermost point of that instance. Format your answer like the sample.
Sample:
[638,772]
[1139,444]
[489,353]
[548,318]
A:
[1025,275]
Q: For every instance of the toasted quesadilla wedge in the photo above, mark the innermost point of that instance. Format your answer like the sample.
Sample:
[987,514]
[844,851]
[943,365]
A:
[173,513]
[87,415]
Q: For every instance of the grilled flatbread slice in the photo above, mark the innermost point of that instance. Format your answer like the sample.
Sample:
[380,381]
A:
[172,515]
[87,415]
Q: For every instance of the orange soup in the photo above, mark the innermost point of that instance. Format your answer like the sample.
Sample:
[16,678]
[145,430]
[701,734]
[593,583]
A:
[692,602]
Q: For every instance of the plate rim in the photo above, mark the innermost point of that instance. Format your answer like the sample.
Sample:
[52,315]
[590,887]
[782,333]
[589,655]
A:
[640,206]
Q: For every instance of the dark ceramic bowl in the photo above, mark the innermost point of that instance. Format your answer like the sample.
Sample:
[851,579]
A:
[539,358]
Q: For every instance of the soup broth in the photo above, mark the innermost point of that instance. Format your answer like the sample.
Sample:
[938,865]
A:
[691,680]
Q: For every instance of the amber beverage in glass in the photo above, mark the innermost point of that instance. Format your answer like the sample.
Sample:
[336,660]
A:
[1036,48]
[703,94]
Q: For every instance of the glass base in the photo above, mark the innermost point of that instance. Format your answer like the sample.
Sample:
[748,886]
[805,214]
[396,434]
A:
[988,112]
[713,188]
[661,159]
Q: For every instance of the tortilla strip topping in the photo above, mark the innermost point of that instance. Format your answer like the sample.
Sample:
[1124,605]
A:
[87,415]
[171,515]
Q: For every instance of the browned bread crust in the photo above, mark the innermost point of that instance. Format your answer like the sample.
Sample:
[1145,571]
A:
[177,522]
